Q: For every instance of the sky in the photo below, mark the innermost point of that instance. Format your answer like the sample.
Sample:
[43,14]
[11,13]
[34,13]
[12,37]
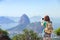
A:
[16,8]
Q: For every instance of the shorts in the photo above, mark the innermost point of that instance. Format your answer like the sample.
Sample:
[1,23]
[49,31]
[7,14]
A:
[47,35]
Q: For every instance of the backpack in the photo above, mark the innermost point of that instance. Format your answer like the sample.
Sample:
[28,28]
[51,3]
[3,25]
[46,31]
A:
[48,29]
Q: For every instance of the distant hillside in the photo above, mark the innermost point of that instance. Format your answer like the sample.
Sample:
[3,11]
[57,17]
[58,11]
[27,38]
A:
[36,26]
[32,26]
[23,22]
[55,21]
[5,20]
[35,19]
[16,19]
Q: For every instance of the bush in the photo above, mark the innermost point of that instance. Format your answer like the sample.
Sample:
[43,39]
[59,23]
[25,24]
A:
[27,35]
[57,31]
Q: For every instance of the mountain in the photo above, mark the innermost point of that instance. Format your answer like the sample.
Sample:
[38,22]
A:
[56,22]
[5,20]
[16,19]
[24,21]
[35,19]
[32,26]
[36,26]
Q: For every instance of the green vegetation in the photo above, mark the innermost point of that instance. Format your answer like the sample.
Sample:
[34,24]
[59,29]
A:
[27,35]
[4,35]
[57,32]
[4,32]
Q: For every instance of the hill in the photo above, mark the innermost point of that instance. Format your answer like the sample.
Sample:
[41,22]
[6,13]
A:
[5,20]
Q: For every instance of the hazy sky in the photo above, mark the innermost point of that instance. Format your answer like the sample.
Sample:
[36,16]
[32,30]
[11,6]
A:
[32,8]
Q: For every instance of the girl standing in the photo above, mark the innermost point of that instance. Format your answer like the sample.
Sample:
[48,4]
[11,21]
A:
[47,28]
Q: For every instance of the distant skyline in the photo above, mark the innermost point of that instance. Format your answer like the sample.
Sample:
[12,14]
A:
[16,8]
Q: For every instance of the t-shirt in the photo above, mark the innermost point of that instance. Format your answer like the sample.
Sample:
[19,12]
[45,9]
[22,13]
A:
[44,24]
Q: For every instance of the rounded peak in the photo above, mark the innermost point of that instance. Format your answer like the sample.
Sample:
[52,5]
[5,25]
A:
[24,15]
[24,19]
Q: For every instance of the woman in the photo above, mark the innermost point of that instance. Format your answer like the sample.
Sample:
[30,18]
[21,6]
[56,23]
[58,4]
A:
[47,34]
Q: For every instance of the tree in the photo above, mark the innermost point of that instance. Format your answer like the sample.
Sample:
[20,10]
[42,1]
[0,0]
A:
[4,35]
[27,35]
[3,32]
[57,31]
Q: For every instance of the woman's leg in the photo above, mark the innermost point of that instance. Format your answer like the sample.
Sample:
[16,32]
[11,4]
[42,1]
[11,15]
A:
[44,38]
[49,38]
